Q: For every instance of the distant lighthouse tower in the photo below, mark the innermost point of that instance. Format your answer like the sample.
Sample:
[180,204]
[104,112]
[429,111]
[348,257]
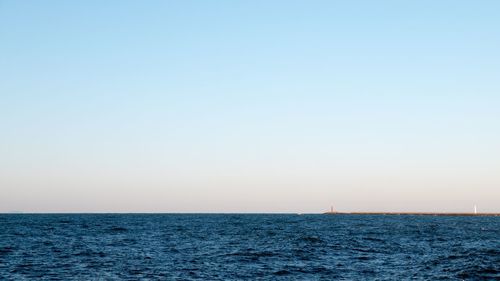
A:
[332,211]
[475,209]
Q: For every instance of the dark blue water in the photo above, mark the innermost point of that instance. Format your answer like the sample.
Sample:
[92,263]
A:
[248,247]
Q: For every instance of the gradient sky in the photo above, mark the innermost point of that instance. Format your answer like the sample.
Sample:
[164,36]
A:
[249,106]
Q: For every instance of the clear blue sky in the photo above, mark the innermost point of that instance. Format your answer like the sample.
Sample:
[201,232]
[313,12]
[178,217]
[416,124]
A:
[249,106]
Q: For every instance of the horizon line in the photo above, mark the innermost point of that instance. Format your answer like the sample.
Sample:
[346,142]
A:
[257,213]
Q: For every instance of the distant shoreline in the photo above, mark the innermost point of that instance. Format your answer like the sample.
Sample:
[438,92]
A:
[416,214]
[233,213]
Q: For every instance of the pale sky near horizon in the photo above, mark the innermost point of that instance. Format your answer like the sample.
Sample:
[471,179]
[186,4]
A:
[249,106]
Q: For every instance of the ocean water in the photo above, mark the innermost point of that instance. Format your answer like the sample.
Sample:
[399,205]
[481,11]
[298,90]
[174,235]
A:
[248,247]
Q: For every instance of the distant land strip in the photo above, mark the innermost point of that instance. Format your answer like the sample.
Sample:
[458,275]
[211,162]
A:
[416,214]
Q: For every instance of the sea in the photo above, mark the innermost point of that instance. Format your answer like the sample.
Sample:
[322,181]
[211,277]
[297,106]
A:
[248,247]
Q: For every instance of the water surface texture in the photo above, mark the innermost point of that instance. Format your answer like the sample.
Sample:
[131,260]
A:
[248,247]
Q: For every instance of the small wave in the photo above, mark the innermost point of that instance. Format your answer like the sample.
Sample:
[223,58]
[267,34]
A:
[254,255]
[118,229]
[364,250]
[90,254]
[491,252]
[282,272]
[311,239]
[375,239]
[479,273]
[363,258]
[6,250]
